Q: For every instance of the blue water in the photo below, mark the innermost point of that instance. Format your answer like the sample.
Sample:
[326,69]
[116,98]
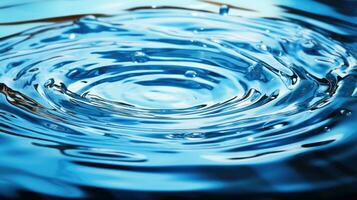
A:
[150,101]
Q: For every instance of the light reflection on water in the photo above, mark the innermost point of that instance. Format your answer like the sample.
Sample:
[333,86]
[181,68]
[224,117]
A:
[123,99]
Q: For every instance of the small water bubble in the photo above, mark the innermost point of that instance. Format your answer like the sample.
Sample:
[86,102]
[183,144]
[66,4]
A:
[72,36]
[223,10]
[190,74]
[198,30]
[307,43]
[195,136]
[250,139]
[277,126]
[174,136]
[140,57]
[262,47]
[294,80]
[327,129]
[345,112]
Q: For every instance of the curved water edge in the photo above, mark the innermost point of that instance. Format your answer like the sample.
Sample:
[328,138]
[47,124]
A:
[190,100]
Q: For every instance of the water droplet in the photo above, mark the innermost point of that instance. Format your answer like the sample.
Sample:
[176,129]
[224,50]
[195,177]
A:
[190,74]
[195,136]
[175,136]
[307,43]
[327,129]
[140,57]
[345,112]
[72,36]
[277,126]
[294,80]
[198,30]
[223,10]
[262,47]
[250,139]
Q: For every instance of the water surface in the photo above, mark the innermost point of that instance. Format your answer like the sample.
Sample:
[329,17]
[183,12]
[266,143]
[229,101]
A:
[201,99]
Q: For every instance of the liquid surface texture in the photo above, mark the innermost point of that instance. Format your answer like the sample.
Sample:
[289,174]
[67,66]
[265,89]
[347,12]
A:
[154,100]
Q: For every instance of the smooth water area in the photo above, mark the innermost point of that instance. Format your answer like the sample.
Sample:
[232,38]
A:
[162,100]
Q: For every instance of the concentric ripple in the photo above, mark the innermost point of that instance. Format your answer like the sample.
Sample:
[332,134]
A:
[170,88]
